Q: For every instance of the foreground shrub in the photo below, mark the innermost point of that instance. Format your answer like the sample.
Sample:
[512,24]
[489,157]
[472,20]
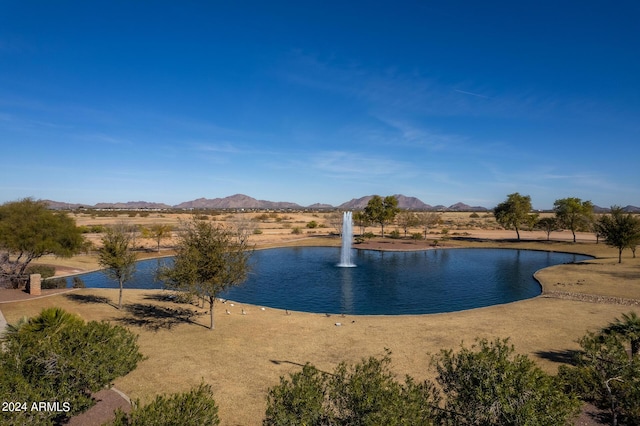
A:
[484,385]
[607,373]
[362,394]
[489,385]
[194,408]
[56,356]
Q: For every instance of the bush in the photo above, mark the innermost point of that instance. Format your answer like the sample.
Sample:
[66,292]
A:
[489,385]
[56,356]
[313,224]
[78,282]
[606,374]
[257,231]
[394,234]
[417,236]
[474,215]
[194,408]
[362,394]
[296,230]
[484,385]
[52,283]
[44,270]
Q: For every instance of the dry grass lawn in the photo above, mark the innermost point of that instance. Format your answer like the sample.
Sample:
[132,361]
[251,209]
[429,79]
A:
[246,354]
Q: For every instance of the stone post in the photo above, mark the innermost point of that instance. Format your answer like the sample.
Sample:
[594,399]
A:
[34,284]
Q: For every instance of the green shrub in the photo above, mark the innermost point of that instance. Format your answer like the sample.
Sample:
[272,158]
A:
[78,282]
[44,270]
[607,371]
[56,356]
[362,394]
[52,283]
[417,236]
[474,215]
[313,224]
[296,230]
[194,408]
[488,384]
[395,234]
[257,231]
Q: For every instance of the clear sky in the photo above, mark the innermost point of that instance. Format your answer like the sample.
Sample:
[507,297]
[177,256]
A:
[320,101]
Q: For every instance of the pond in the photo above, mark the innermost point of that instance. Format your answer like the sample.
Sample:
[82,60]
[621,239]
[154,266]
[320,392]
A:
[382,283]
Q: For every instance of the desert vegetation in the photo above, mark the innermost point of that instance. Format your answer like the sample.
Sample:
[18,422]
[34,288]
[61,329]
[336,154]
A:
[576,299]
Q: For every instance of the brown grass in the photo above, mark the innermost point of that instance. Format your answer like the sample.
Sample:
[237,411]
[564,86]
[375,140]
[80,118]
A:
[246,354]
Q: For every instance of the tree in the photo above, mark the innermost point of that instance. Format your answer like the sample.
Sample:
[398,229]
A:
[574,214]
[157,232]
[209,259]
[361,220]
[489,385]
[407,220]
[362,394]
[428,220]
[548,225]
[514,212]
[117,257]
[619,230]
[28,231]
[382,211]
[194,408]
[56,356]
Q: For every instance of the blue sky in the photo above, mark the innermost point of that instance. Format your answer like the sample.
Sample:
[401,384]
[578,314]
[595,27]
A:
[320,101]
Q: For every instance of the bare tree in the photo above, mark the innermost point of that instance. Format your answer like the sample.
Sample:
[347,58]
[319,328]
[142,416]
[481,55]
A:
[428,220]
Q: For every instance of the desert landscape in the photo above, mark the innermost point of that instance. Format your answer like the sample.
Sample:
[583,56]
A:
[247,354]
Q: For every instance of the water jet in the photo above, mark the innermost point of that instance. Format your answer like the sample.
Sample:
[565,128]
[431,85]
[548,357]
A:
[347,235]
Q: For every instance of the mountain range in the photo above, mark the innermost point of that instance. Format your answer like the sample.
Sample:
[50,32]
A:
[241,201]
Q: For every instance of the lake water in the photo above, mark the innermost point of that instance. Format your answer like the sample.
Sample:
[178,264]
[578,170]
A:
[391,283]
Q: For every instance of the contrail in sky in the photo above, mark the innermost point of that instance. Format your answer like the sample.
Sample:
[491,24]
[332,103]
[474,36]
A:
[472,94]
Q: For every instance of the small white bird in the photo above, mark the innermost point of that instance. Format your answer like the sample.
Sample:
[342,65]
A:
[243,312]
[338,324]
[228,313]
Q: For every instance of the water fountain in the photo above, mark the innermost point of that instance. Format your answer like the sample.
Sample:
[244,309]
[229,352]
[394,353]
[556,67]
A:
[347,235]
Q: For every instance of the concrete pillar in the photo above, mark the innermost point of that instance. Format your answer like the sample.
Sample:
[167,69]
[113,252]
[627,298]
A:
[34,284]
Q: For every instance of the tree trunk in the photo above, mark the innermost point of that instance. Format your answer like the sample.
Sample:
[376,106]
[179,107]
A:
[620,255]
[574,235]
[120,296]
[518,233]
[211,300]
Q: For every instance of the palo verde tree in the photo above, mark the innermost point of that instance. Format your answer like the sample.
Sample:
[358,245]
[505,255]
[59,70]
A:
[209,259]
[574,214]
[28,231]
[514,212]
[382,211]
[619,230]
[116,256]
